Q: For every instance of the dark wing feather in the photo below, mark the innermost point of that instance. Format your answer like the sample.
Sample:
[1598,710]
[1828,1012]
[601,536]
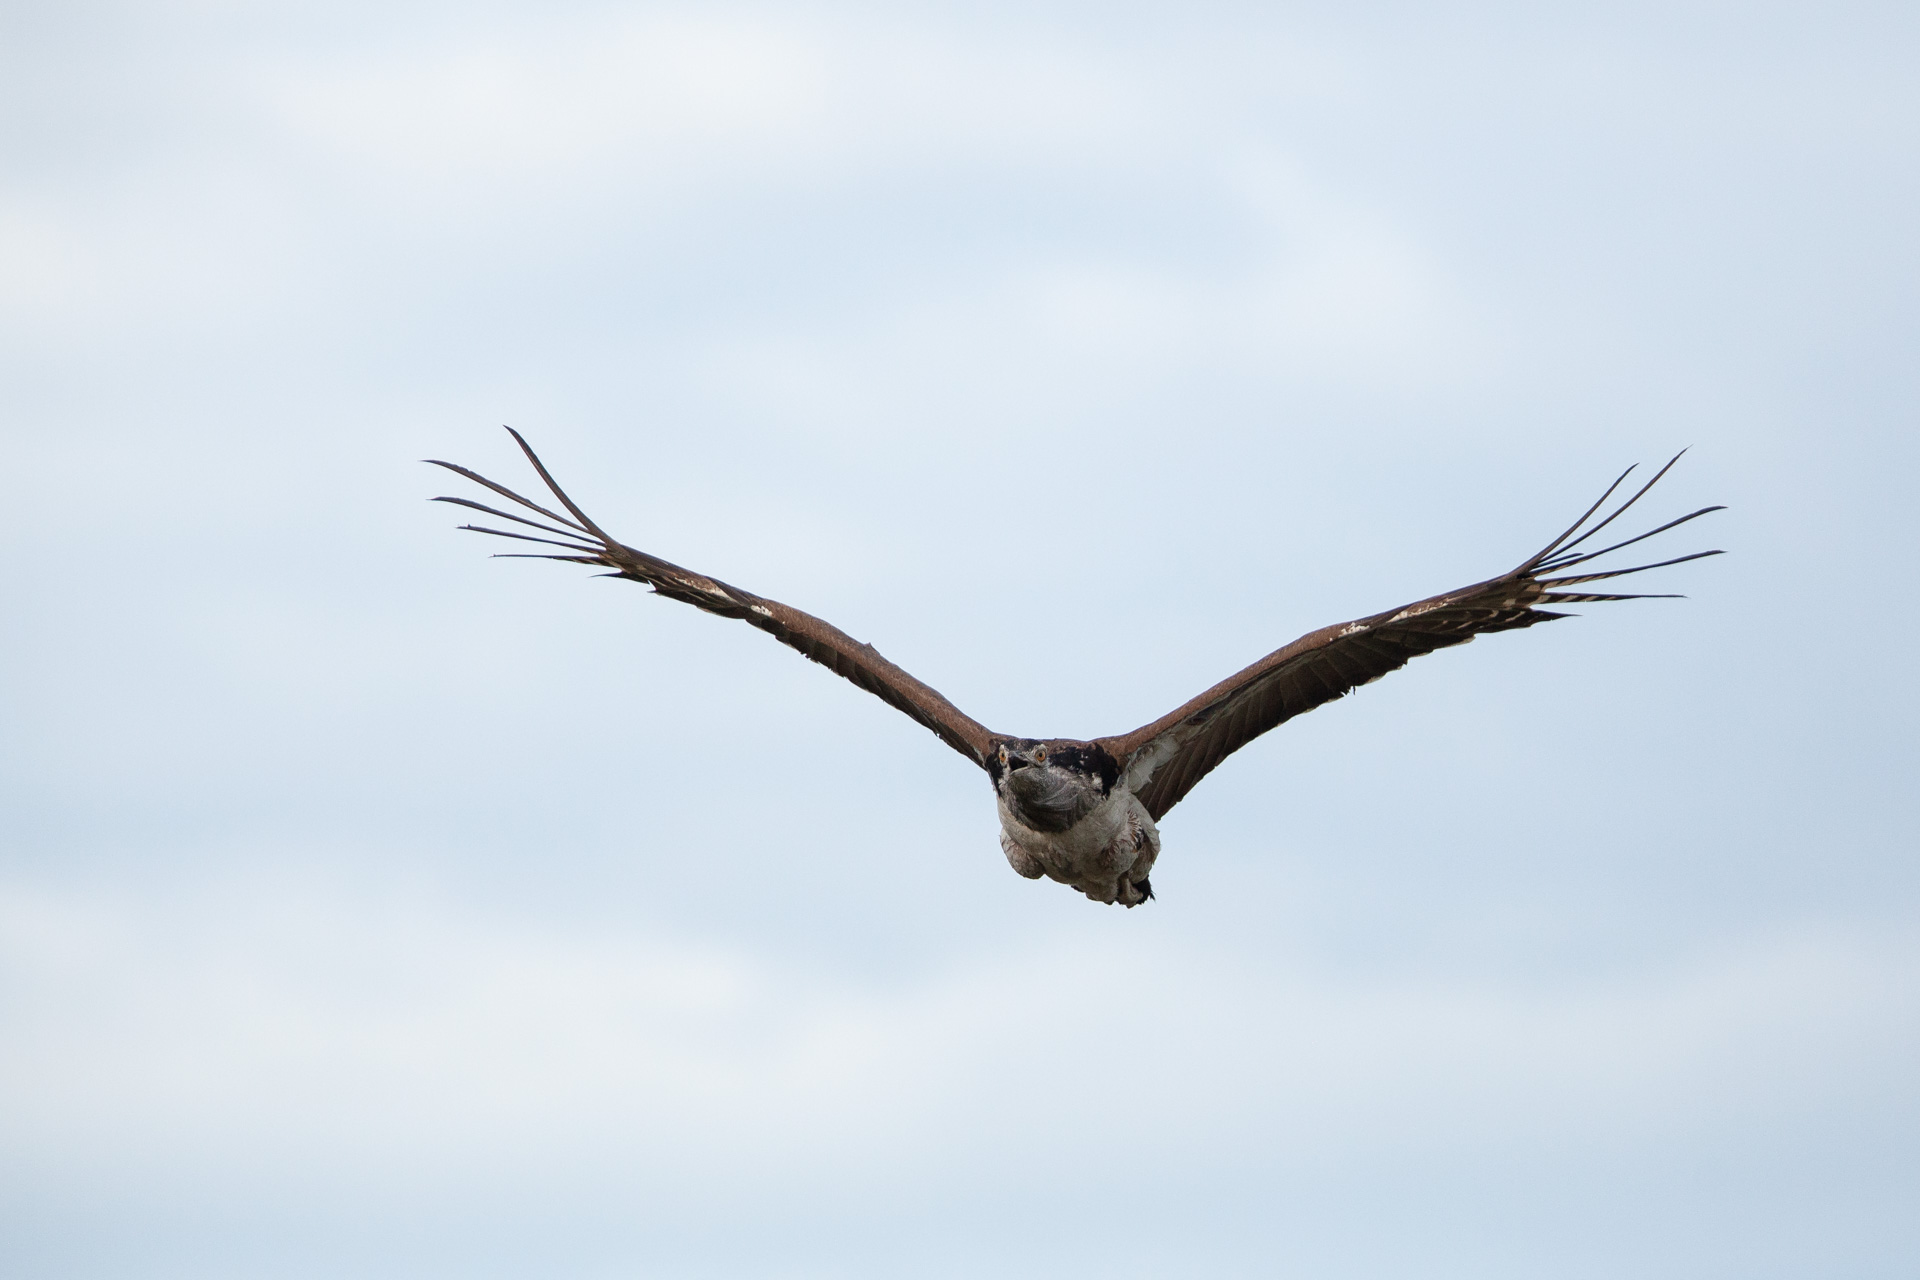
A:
[821,641]
[1167,758]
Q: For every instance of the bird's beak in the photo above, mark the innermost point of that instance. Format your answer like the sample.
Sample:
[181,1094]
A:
[1018,760]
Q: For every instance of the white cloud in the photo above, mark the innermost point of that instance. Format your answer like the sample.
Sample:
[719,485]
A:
[357,1028]
[45,267]
[538,106]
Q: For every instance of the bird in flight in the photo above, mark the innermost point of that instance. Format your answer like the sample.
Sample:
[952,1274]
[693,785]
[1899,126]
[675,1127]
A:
[1083,813]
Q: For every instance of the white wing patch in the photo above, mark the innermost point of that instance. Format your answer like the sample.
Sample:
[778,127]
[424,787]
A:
[1150,757]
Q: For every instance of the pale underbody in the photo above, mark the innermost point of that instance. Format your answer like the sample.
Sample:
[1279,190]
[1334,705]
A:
[1106,855]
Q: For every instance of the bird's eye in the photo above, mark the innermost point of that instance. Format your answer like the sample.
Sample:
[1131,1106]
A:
[1040,754]
[1003,755]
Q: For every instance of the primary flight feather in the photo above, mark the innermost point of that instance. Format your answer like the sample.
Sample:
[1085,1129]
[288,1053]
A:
[1084,812]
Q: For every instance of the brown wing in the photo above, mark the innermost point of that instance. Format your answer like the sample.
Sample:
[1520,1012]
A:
[821,641]
[1167,758]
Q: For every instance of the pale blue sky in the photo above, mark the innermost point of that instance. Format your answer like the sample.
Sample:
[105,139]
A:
[369,908]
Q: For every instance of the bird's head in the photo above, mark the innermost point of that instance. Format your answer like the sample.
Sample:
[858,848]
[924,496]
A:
[1051,784]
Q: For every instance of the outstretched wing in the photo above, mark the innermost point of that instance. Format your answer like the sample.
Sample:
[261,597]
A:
[1165,759]
[821,641]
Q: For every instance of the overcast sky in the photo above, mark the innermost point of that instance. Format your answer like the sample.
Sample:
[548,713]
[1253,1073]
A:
[371,908]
